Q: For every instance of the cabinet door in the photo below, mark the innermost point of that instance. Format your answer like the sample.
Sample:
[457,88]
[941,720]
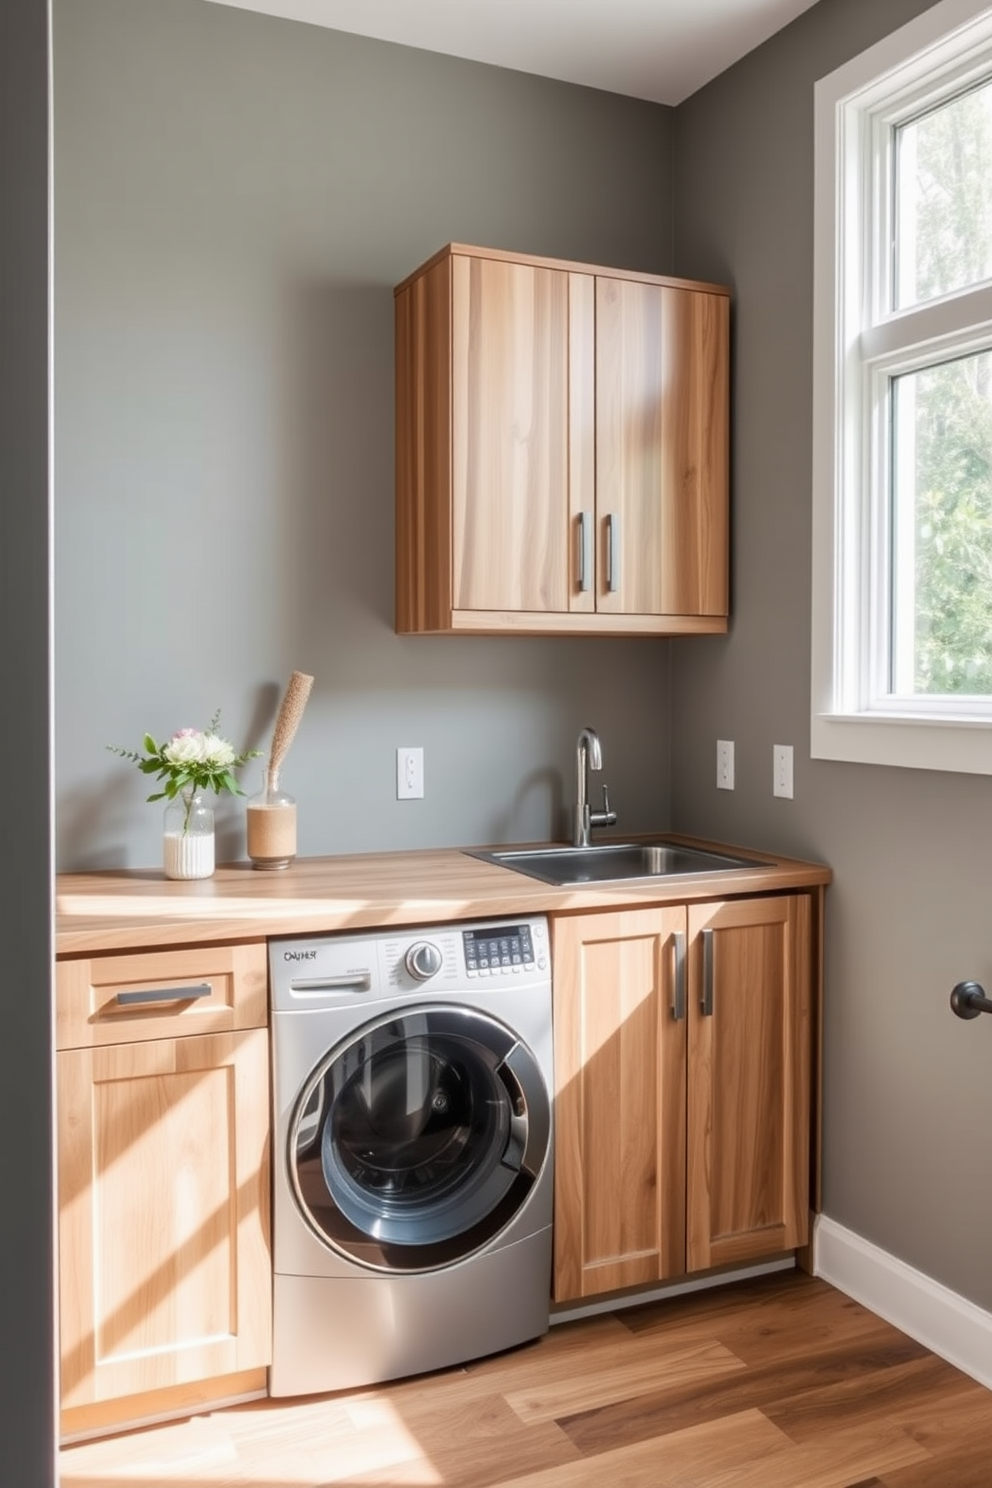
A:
[748,1079]
[163,1212]
[620,1100]
[662,449]
[519,479]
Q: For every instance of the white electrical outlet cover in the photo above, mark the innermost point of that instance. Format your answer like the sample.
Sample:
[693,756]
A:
[782,782]
[724,764]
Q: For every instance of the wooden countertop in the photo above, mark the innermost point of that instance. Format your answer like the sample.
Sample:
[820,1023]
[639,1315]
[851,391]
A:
[132,908]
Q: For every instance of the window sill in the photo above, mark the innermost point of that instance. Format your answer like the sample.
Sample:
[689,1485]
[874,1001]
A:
[962,745]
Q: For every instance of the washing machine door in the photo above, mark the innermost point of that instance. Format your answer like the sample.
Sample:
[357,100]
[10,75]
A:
[417,1139]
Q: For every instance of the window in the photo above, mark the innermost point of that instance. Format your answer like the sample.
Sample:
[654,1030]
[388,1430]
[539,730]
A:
[902,418]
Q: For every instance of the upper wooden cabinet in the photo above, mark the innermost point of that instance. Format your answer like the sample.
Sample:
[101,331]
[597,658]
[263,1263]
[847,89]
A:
[562,436]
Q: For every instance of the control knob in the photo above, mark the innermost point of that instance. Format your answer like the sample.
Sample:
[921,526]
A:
[423,959]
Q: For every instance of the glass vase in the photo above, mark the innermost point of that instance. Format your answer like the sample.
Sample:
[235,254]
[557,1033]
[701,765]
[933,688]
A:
[271,825]
[188,836]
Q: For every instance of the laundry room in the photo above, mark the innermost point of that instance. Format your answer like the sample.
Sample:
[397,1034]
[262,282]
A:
[269,264]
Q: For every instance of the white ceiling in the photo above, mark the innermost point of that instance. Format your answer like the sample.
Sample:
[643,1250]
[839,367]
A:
[661,50]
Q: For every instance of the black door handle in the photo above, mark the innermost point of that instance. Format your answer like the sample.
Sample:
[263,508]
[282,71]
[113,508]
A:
[968,1000]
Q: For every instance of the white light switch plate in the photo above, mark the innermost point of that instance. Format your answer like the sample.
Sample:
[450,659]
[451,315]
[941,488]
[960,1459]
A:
[409,773]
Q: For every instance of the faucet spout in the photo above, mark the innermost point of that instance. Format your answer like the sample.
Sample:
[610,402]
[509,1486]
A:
[589,742]
[588,756]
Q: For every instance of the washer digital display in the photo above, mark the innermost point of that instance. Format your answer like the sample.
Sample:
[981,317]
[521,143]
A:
[510,945]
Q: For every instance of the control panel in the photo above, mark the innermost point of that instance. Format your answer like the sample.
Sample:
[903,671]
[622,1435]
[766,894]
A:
[493,949]
[446,958]
[345,969]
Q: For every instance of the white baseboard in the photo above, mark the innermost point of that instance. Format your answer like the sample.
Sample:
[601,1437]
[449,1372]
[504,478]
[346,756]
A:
[940,1319]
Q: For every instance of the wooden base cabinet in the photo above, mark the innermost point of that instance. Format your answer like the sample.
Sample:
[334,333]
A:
[562,449]
[748,1102]
[682,1067]
[164,1263]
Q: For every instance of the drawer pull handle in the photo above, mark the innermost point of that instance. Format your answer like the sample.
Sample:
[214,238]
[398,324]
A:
[678,1002]
[707,1002]
[165,994]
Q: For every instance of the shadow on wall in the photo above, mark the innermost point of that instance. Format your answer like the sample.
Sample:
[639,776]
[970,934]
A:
[337,488]
[546,782]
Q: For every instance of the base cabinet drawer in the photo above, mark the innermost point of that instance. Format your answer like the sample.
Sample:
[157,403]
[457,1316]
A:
[135,997]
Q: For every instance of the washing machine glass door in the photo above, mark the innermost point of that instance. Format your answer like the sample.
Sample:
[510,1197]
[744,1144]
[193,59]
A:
[418,1138]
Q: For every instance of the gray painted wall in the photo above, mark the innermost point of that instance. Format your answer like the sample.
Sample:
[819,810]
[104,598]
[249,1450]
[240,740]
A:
[235,198]
[27,1399]
[908,1099]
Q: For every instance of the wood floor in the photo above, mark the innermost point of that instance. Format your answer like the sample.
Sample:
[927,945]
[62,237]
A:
[777,1382]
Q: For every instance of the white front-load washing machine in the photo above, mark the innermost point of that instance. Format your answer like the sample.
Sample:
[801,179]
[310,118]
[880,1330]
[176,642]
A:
[412,1166]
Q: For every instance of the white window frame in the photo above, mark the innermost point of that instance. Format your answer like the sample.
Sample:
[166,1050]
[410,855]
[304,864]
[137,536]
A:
[857,347]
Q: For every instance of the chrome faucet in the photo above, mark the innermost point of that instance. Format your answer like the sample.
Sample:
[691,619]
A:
[589,756]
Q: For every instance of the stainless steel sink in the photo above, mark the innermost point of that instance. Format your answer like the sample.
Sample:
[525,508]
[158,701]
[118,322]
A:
[608,862]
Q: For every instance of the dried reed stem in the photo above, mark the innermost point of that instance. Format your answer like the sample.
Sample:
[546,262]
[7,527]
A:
[287,722]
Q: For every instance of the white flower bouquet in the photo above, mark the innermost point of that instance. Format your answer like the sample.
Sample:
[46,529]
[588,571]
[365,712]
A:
[192,760]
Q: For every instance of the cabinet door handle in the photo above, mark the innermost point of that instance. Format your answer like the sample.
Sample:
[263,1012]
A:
[707,1000]
[585,551]
[678,997]
[613,552]
[165,994]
